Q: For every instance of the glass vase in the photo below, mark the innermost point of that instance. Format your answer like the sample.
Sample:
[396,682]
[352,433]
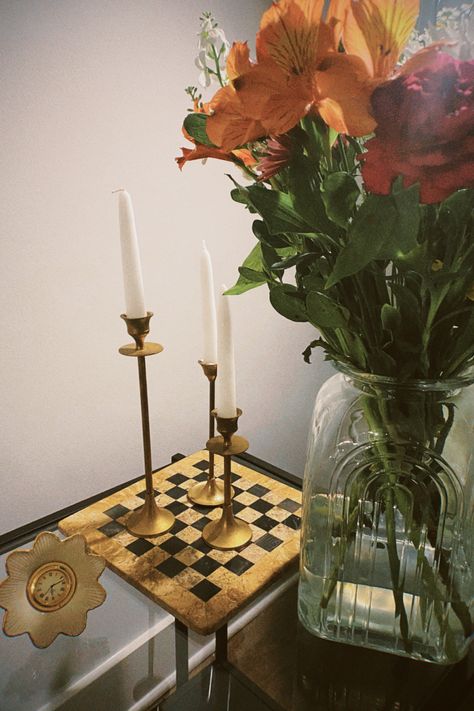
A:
[387,537]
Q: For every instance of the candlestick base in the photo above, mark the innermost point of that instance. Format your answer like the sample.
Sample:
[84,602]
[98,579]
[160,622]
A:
[150,520]
[228,533]
[218,445]
[208,493]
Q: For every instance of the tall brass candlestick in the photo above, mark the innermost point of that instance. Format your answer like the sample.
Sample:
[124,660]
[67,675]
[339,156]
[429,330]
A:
[228,532]
[210,492]
[149,519]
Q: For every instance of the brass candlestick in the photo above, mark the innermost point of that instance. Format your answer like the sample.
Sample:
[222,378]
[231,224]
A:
[228,532]
[210,492]
[149,519]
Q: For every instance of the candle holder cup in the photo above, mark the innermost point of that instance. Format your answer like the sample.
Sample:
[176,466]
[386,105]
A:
[138,329]
[149,520]
[210,492]
[228,532]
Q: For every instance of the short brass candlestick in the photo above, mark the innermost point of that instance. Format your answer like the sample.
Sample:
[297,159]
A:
[228,532]
[210,492]
[149,519]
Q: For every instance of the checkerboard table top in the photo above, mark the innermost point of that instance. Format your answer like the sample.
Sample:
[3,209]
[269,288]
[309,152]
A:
[198,585]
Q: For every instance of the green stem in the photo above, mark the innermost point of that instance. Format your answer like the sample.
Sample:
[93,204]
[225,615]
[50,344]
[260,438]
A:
[342,150]
[218,70]
[394,562]
[379,423]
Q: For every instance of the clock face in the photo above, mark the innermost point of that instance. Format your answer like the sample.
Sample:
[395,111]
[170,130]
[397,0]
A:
[51,586]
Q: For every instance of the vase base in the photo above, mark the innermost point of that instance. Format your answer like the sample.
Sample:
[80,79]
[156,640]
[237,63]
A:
[365,617]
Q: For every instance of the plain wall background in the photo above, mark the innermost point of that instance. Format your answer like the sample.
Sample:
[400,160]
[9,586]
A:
[93,99]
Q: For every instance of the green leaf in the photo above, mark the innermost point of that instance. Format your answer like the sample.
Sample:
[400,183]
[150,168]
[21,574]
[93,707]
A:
[382,363]
[314,344]
[407,203]
[416,260]
[313,282]
[463,346]
[455,211]
[372,228]
[339,193]
[409,306]
[251,273]
[391,318]
[333,135]
[240,195]
[277,210]
[261,232]
[284,299]
[195,125]
[324,312]
[292,260]
[384,227]
[305,188]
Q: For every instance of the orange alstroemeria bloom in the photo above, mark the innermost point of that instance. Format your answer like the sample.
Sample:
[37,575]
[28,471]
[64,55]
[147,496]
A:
[295,48]
[238,127]
[299,69]
[201,151]
[377,31]
[241,156]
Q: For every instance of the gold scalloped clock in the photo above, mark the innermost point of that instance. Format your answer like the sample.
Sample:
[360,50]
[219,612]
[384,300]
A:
[50,588]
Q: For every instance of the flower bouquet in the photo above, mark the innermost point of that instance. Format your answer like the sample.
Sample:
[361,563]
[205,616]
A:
[358,161]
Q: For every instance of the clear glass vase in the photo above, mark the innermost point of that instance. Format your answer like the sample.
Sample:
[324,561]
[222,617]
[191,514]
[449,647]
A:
[387,538]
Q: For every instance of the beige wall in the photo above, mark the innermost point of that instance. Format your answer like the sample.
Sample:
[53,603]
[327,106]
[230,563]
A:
[92,100]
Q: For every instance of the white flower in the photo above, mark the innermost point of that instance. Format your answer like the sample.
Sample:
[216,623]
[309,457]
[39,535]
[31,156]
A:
[213,36]
[457,25]
[213,50]
[200,62]
[454,24]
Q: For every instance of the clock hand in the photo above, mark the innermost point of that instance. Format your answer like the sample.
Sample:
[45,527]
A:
[61,580]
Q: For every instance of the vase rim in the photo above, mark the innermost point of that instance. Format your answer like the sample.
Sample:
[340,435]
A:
[419,384]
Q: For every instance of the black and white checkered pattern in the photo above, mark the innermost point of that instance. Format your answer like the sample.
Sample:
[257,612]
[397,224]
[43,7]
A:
[182,554]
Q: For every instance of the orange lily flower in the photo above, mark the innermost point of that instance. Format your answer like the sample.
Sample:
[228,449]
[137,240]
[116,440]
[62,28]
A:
[229,125]
[297,71]
[378,30]
[241,156]
[201,151]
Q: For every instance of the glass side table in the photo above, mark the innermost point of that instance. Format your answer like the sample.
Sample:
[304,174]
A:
[274,664]
[129,655]
[132,653]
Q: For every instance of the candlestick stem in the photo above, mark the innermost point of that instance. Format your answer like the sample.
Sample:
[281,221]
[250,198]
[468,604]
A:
[210,492]
[149,520]
[212,404]
[227,481]
[145,425]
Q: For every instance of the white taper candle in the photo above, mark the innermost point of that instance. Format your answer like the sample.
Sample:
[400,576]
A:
[132,271]
[225,383]
[208,303]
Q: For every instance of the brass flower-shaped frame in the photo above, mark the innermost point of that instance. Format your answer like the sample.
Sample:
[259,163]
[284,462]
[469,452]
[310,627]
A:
[43,606]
